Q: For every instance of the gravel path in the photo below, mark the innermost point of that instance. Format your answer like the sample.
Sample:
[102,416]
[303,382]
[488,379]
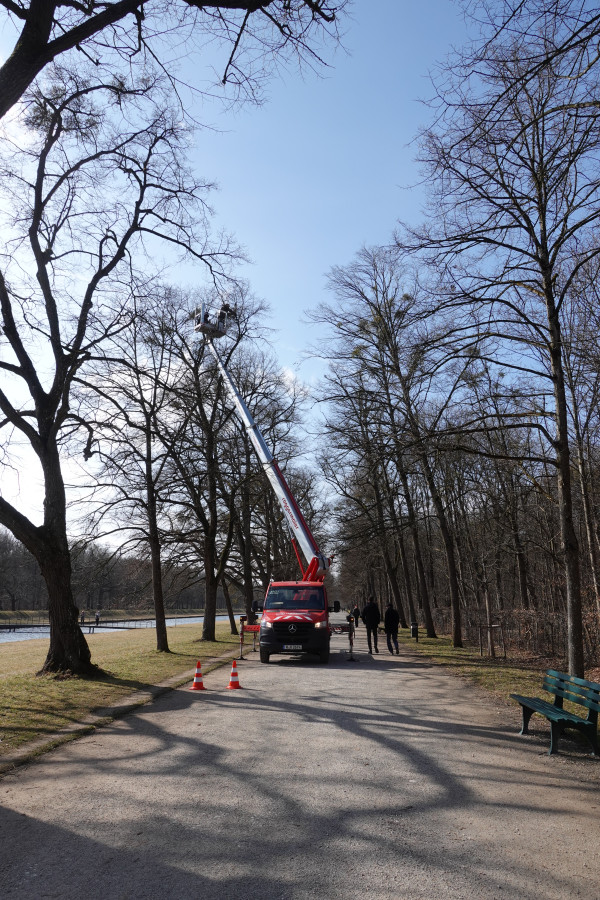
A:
[386,777]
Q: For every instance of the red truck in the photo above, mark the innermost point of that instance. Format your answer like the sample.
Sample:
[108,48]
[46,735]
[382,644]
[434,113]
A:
[295,614]
[295,619]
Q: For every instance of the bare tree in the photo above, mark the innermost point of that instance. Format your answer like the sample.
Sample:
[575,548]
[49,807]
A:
[515,177]
[213,474]
[356,462]
[258,34]
[377,329]
[545,33]
[100,181]
[582,375]
[128,398]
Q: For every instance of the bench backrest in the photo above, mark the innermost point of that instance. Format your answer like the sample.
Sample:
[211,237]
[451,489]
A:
[577,690]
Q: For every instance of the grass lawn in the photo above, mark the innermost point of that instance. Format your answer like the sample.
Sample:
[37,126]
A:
[500,676]
[31,707]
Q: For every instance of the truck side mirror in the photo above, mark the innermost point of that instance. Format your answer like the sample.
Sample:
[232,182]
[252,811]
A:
[336,606]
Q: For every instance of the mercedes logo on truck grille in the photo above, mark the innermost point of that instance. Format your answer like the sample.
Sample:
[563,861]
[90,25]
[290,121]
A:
[292,629]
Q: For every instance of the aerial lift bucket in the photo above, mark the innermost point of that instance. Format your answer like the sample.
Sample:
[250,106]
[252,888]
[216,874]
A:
[210,322]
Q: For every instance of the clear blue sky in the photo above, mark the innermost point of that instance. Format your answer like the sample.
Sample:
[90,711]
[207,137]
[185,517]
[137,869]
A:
[326,165]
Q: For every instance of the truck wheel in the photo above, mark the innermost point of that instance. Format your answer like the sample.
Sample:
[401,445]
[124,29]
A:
[324,656]
[264,655]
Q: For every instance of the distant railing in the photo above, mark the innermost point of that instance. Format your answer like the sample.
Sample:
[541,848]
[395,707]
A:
[19,619]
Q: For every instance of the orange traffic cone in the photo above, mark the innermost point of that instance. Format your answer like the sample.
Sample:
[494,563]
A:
[198,684]
[234,681]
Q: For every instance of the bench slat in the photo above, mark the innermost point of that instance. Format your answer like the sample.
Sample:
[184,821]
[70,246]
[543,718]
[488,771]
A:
[574,690]
[593,685]
[549,710]
[582,700]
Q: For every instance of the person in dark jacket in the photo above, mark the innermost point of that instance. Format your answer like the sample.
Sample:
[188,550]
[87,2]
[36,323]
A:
[356,616]
[371,617]
[391,621]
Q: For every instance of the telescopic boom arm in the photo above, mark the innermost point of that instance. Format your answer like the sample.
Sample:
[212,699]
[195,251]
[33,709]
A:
[317,563]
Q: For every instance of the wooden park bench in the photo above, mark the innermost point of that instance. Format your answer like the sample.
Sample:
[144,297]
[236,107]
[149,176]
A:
[564,687]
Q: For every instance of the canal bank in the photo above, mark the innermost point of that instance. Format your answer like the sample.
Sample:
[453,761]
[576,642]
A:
[20,629]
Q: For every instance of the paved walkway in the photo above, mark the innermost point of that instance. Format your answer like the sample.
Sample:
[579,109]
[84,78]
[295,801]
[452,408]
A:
[373,779]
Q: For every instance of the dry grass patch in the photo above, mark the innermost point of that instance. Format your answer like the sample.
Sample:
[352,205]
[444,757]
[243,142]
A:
[499,676]
[32,707]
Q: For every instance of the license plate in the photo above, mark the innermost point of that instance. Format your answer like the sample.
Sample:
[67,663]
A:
[292,646]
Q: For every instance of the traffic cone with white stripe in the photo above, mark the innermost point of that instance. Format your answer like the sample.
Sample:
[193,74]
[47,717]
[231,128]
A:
[198,684]
[234,681]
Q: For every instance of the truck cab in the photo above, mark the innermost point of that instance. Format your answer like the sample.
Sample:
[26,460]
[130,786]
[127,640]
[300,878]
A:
[295,619]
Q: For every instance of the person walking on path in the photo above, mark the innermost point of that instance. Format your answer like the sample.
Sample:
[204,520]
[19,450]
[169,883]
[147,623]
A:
[371,617]
[391,621]
[356,615]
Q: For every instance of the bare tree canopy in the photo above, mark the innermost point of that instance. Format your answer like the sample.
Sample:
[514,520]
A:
[515,189]
[97,180]
[51,28]
[544,34]
[99,186]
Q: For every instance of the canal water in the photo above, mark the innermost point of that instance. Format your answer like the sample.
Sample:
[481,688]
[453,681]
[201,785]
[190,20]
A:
[43,631]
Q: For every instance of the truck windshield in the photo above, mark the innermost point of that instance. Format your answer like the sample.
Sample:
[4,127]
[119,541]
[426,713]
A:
[294,597]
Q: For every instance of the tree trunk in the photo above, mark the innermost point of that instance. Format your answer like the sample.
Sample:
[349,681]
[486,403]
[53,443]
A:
[421,579]
[48,544]
[449,547]
[162,642]
[68,651]
[210,598]
[227,596]
[407,579]
[570,544]
[587,506]
[521,561]
[245,546]
[394,587]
